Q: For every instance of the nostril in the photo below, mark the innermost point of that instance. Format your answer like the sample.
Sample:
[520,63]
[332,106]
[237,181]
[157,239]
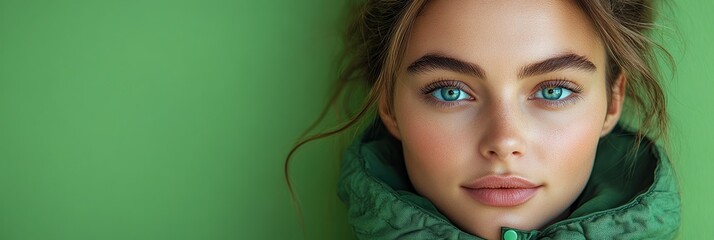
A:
[497,155]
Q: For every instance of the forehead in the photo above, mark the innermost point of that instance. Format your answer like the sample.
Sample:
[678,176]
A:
[503,35]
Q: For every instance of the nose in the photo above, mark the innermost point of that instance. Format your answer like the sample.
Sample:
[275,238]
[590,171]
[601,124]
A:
[503,135]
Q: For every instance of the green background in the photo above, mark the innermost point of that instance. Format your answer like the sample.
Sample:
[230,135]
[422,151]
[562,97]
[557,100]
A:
[171,119]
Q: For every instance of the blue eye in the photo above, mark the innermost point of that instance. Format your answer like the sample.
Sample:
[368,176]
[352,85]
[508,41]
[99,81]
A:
[449,94]
[553,93]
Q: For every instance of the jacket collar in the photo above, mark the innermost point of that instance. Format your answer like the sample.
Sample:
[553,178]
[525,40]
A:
[637,200]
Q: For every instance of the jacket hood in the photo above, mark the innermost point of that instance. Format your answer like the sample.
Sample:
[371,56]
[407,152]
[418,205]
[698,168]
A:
[619,201]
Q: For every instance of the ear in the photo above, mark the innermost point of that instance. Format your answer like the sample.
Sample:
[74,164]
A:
[388,118]
[615,109]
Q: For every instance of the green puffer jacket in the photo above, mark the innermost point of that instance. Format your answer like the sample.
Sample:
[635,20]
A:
[616,204]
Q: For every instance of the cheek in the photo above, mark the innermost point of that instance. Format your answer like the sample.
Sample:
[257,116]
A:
[435,145]
[569,153]
[569,143]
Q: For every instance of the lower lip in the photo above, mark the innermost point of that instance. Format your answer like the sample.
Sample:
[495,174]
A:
[502,197]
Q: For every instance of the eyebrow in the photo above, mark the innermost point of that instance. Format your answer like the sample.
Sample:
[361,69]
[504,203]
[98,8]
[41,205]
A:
[560,62]
[431,62]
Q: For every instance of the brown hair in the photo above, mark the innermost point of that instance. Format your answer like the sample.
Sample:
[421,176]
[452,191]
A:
[376,36]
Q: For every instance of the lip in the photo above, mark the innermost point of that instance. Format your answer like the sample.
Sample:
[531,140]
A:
[502,191]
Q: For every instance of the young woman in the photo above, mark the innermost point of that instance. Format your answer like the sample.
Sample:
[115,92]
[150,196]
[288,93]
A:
[499,120]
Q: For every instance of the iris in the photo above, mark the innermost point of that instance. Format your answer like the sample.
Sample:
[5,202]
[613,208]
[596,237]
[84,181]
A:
[552,93]
[449,94]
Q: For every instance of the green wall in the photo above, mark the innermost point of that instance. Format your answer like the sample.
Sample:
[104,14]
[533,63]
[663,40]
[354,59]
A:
[158,119]
[691,107]
[171,119]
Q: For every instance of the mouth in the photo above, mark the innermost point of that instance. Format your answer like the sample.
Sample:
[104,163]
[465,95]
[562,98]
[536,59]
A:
[500,191]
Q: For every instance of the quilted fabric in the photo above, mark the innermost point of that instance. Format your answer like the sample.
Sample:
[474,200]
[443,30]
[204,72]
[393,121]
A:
[621,201]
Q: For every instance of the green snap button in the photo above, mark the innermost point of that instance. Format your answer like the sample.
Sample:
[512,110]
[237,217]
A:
[510,235]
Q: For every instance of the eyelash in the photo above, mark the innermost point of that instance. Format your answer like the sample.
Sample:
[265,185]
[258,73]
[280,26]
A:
[563,83]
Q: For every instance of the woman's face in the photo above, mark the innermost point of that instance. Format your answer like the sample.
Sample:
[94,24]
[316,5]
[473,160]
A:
[499,106]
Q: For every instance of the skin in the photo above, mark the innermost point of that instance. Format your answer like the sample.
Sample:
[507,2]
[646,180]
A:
[503,129]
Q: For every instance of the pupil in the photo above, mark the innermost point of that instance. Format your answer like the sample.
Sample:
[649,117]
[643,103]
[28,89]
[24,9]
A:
[451,91]
[550,91]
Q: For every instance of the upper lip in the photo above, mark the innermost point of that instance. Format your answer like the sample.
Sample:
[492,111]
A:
[496,181]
